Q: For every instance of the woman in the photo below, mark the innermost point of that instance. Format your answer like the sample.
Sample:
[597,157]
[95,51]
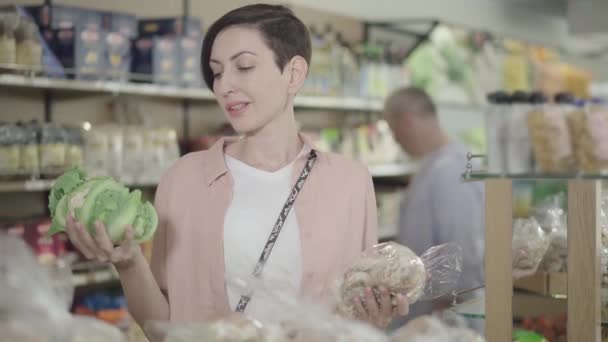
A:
[217,208]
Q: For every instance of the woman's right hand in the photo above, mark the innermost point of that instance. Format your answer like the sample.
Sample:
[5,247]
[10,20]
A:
[99,247]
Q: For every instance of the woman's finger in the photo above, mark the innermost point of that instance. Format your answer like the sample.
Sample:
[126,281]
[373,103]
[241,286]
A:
[87,240]
[371,304]
[386,307]
[124,250]
[361,311]
[403,306]
[102,238]
[70,229]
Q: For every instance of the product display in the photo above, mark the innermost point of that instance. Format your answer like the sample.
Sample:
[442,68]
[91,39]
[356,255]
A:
[28,150]
[527,134]
[398,269]
[130,154]
[372,144]
[100,198]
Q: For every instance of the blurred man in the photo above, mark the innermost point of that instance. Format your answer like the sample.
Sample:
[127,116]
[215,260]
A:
[438,206]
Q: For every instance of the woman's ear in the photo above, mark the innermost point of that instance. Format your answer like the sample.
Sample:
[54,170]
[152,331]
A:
[298,70]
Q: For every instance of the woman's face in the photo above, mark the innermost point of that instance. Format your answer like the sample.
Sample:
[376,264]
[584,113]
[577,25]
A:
[248,84]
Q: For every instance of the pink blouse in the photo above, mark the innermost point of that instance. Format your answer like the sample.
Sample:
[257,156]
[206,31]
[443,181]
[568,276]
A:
[336,213]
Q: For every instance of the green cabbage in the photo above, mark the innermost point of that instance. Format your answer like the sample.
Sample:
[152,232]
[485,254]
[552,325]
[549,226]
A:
[103,199]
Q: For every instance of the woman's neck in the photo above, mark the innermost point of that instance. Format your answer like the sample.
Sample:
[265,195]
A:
[270,148]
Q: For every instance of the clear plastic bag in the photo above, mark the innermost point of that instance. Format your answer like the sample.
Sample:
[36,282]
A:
[396,267]
[433,329]
[530,243]
[293,319]
[553,219]
[29,298]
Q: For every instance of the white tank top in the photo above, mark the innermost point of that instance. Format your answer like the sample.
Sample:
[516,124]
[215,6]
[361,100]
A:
[258,197]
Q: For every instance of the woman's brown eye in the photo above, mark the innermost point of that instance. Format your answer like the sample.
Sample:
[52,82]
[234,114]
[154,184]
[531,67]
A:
[243,68]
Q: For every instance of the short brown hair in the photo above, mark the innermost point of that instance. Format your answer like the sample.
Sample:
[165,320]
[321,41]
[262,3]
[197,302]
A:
[410,100]
[283,32]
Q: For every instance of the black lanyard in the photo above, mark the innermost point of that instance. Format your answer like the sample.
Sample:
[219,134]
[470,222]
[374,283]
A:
[274,235]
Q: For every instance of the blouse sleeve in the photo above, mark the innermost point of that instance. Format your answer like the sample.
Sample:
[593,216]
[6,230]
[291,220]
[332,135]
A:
[158,260]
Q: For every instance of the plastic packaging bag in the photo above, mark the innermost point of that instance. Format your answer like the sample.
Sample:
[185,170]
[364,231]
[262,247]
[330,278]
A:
[530,243]
[28,299]
[553,219]
[397,268]
[432,329]
[293,319]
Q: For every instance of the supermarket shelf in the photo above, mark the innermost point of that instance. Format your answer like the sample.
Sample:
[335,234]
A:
[34,185]
[26,186]
[110,87]
[153,90]
[392,170]
[45,185]
[96,277]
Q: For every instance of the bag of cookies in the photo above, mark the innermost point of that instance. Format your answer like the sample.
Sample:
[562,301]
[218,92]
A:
[588,127]
[550,136]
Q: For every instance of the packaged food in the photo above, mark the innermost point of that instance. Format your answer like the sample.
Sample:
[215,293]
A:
[133,159]
[9,150]
[588,126]
[496,133]
[553,219]
[29,154]
[75,150]
[550,136]
[8,24]
[96,150]
[53,148]
[518,144]
[530,243]
[114,162]
[28,47]
[398,269]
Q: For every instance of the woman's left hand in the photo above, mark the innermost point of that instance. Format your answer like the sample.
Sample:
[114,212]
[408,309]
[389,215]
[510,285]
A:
[381,312]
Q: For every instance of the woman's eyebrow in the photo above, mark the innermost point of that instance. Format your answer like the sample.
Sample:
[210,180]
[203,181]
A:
[235,56]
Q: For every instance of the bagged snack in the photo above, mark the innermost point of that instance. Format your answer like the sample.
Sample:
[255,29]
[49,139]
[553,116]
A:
[553,219]
[100,198]
[29,154]
[397,268]
[432,329]
[530,243]
[9,150]
[53,148]
[550,137]
[588,125]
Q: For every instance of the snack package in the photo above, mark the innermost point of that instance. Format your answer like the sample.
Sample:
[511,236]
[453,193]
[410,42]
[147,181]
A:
[588,125]
[28,298]
[530,243]
[433,329]
[553,219]
[397,268]
[550,138]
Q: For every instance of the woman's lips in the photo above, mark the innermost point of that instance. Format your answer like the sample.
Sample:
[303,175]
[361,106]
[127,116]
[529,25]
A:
[235,109]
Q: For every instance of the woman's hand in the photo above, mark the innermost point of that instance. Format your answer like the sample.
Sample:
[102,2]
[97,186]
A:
[380,312]
[99,247]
